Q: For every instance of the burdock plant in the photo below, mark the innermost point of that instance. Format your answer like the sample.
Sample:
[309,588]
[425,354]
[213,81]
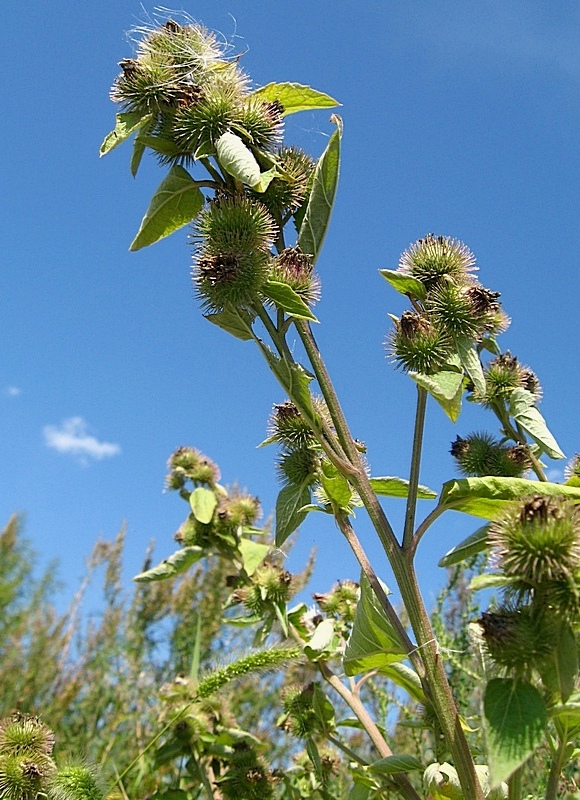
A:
[259,211]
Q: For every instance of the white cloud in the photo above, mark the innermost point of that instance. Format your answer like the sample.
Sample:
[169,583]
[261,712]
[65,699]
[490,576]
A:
[12,391]
[72,437]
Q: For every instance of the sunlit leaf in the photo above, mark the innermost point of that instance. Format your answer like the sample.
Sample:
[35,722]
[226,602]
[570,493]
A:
[515,723]
[395,763]
[295,97]
[373,642]
[176,563]
[405,284]
[471,546]
[235,321]
[446,387]
[253,553]
[177,201]
[406,678]
[486,497]
[321,199]
[288,300]
[560,670]
[390,486]
[237,160]
[523,410]
[289,513]
[126,123]
[469,358]
[203,503]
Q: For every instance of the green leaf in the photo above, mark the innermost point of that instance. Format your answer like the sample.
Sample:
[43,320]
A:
[560,670]
[235,321]
[177,201]
[405,284]
[165,147]
[139,148]
[172,566]
[292,377]
[203,503]
[406,678]
[394,763]
[389,486]
[373,642]
[469,547]
[336,488]
[253,553]
[295,97]
[490,580]
[446,387]
[126,123]
[323,641]
[469,358]
[321,199]
[289,514]
[515,723]
[237,160]
[486,497]
[523,410]
[288,300]
[442,782]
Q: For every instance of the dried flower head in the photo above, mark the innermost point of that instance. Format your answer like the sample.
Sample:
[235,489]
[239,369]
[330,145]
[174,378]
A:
[294,268]
[503,374]
[25,735]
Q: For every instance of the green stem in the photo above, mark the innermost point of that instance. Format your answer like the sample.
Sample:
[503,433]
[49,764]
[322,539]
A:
[399,779]
[423,527]
[435,683]
[515,785]
[415,467]
[556,767]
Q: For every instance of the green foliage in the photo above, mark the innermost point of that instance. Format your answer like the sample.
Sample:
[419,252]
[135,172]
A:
[138,692]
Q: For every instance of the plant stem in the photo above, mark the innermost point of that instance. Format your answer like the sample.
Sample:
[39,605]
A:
[515,785]
[415,467]
[556,767]
[435,683]
[401,781]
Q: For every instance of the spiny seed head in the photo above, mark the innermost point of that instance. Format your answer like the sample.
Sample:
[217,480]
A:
[451,306]
[417,344]
[480,454]
[287,427]
[286,194]
[436,258]
[270,585]
[299,718]
[260,123]
[538,540]
[76,782]
[299,467]
[341,601]
[22,777]
[239,508]
[187,463]
[25,735]
[518,638]
[235,225]
[572,471]
[294,268]
[503,374]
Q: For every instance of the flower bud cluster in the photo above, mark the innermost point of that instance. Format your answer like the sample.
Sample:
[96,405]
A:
[449,306]
[247,776]
[340,602]
[189,464]
[536,544]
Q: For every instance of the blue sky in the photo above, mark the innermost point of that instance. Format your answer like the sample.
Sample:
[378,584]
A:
[460,118]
